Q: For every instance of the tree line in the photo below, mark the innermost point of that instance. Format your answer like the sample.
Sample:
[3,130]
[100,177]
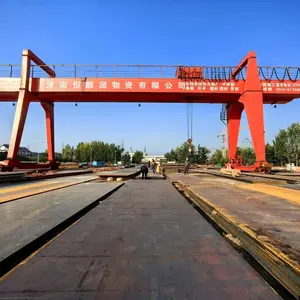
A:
[87,152]
[287,145]
[93,151]
[285,148]
[99,151]
[198,155]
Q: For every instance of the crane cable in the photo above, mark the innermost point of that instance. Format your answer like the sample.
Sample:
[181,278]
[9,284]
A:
[189,112]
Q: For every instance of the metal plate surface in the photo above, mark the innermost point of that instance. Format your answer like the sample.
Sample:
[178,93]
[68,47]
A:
[24,220]
[143,242]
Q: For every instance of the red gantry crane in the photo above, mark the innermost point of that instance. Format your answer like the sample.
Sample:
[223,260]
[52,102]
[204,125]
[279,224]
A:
[244,87]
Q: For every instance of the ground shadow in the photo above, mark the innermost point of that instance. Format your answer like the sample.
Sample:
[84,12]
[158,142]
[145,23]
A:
[151,178]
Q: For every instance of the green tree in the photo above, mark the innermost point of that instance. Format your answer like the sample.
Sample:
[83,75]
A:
[247,154]
[67,153]
[41,157]
[98,151]
[293,133]
[171,156]
[217,158]
[119,150]
[126,158]
[270,154]
[201,157]
[281,147]
[182,152]
[80,152]
[137,157]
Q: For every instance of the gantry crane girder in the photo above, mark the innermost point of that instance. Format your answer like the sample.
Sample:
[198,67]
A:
[244,87]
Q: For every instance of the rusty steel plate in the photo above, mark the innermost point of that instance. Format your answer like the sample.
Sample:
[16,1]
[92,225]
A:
[143,242]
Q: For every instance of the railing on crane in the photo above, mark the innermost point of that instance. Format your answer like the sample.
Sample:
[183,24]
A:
[223,114]
[201,73]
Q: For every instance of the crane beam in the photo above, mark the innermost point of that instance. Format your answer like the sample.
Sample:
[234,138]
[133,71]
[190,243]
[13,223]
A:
[243,87]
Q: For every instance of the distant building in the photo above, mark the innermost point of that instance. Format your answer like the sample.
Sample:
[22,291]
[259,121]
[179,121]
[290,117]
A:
[158,158]
[22,150]
[58,155]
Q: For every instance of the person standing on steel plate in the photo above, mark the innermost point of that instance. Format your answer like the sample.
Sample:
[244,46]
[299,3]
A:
[144,171]
[153,166]
[188,163]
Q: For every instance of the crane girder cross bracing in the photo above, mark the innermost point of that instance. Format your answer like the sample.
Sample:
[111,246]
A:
[243,87]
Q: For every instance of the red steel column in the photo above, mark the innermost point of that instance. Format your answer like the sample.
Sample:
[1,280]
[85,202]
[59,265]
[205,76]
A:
[21,110]
[49,111]
[234,112]
[252,99]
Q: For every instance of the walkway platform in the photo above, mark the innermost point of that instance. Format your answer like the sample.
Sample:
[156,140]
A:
[267,225]
[143,242]
[23,221]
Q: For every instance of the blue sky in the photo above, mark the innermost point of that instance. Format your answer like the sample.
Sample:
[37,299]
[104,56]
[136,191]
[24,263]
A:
[178,32]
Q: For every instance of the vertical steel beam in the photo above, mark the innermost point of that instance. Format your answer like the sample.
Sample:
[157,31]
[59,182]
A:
[49,112]
[21,109]
[234,113]
[252,99]
[24,99]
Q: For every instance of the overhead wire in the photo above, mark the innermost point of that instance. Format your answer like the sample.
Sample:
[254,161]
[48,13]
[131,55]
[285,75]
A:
[189,111]
[188,120]
[191,117]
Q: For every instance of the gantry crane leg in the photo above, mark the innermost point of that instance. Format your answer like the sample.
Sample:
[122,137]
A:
[252,102]
[17,130]
[234,113]
[49,113]
[253,105]
[24,99]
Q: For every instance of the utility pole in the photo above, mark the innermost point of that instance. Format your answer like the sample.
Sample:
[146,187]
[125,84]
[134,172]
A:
[131,153]
[38,156]
[91,158]
[223,135]
[224,139]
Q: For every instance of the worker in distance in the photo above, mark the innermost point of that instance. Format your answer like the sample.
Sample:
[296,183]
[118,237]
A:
[144,171]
